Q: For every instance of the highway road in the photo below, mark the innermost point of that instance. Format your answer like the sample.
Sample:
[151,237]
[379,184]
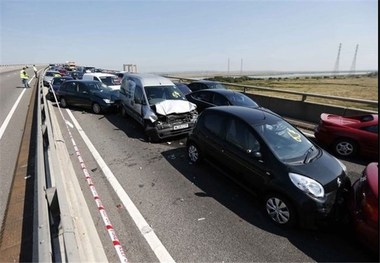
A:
[14,101]
[194,212]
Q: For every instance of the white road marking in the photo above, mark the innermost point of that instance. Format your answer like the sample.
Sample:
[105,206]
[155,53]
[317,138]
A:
[10,114]
[148,233]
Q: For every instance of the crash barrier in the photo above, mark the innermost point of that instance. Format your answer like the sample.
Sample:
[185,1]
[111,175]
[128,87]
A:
[64,231]
[297,109]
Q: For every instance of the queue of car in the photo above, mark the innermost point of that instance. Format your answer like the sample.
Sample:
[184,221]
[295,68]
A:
[299,182]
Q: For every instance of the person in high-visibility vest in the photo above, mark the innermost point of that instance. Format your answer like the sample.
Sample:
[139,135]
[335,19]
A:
[24,77]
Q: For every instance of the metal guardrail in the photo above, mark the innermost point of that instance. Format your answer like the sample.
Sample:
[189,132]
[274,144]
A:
[302,94]
[54,236]
[42,246]
[65,230]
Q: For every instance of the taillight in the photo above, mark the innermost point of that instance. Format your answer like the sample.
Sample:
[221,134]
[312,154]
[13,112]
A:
[370,204]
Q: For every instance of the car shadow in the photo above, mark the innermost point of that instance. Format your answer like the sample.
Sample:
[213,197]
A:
[134,130]
[332,243]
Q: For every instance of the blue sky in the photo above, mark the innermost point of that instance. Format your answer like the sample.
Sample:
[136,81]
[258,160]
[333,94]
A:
[167,36]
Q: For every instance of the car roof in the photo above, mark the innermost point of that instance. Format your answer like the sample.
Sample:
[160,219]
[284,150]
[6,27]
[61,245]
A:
[63,77]
[204,81]
[81,80]
[99,74]
[252,116]
[150,79]
[219,91]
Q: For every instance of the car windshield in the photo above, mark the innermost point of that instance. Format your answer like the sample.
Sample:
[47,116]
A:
[285,141]
[157,94]
[239,99]
[110,81]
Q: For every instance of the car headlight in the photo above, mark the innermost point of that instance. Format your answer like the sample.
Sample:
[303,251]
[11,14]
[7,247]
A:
[308,185]
[108,101]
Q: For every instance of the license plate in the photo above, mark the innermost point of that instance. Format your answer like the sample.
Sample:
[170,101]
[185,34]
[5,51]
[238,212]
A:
[182,126]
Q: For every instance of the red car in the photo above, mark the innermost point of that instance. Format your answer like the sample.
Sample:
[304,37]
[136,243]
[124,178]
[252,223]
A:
[349,135]
[364,207]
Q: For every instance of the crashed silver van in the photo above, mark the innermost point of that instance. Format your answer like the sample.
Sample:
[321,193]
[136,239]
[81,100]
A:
[157,104]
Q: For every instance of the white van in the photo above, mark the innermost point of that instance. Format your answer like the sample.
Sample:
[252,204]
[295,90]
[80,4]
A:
[157,104]
[110,80]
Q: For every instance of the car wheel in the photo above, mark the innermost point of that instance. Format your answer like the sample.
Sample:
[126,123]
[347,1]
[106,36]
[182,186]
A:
[96,108]
[150,133]
[194,153]
[123,112]
[63,102]
[280,210]
[345,147]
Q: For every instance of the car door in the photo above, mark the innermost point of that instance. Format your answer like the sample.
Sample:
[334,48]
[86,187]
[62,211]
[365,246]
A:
[135,101]
[212,134]
[243,153]
[83,96]
[220,100]
[69,92]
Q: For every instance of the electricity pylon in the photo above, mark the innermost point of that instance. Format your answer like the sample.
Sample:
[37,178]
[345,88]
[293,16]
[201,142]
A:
[353,66]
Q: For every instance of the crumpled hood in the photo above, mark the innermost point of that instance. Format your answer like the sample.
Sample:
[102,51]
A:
[167,107]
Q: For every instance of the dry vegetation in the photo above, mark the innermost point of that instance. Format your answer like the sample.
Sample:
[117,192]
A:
[358,87]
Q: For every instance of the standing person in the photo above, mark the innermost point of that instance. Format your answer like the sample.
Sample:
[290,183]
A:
[35,70]
[24,77]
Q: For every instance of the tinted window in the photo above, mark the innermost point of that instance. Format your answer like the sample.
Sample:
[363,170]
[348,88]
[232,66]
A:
[239,135]
[214,124]
[239,99]
[69,87]
[138,95]
[220,100]
[204,96]
[82,87]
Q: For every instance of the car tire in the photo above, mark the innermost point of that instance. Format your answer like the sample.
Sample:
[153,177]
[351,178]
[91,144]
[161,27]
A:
[63,102]
[194,153]
[96,108]
[280,210]
[345,147]
[150,133]
[123,112]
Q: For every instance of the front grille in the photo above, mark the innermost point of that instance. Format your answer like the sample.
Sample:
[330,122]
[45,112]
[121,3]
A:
[177,118]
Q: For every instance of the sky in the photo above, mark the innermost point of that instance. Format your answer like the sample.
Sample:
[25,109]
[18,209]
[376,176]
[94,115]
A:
[192,35]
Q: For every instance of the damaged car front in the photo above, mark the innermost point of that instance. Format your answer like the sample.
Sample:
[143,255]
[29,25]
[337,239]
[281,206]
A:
[168,113]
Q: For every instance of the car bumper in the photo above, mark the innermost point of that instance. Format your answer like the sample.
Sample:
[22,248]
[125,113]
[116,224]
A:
[172,131]
[366,232]
[313,214]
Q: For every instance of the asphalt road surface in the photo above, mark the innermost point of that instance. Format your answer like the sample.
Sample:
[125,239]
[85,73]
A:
[197,214]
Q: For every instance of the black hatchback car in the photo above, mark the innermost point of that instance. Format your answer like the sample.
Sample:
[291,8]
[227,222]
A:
[219,97]
[299,182]
[87,94]
[205,84]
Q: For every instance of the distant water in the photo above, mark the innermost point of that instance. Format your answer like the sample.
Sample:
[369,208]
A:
[308,74]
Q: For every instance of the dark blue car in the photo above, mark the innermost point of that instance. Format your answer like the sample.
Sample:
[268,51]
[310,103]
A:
[55,84]
[87,94]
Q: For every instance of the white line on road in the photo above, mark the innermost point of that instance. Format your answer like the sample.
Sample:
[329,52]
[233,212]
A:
[10,114]
[148,233]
